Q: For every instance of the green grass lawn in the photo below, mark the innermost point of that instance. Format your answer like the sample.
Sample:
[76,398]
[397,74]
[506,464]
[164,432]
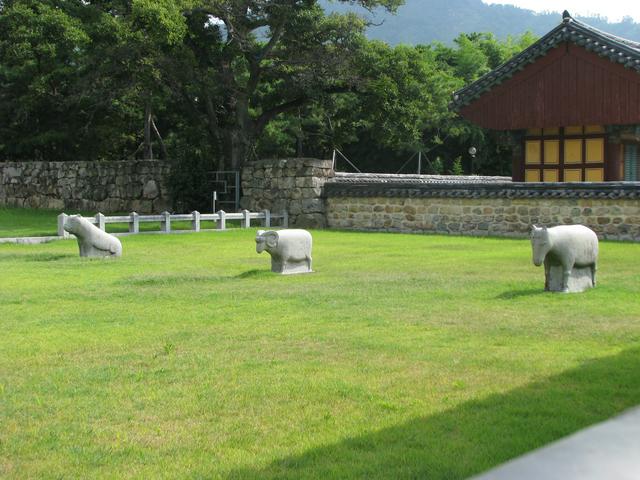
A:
[25,222]
[402,356]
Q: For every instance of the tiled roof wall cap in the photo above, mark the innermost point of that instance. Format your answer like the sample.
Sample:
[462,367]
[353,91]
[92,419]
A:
[609,190]
[620,50]
[386,178]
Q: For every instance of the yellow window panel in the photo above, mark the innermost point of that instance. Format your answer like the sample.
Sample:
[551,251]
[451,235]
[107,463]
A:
[532,175]
[551,131]
[590,129]
[595,150]
[573,130]
[551,152]
[532,152]
[534,132]
[573,151]
[594,175]
[573,175]
[550,175]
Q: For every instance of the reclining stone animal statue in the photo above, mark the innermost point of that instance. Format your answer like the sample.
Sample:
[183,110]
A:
[92,241]
[569,254]
[290,250]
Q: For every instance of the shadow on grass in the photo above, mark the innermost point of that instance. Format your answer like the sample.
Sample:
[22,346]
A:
[528,292]
[476,435]
[166,280]
[35,257]
[255,274]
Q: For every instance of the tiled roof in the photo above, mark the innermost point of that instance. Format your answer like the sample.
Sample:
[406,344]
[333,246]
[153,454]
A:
[404,179]
[616,49]
[606,190]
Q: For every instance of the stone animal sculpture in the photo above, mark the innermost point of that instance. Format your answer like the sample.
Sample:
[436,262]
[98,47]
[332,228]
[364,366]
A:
[92,241]
[570,247]
[290,250]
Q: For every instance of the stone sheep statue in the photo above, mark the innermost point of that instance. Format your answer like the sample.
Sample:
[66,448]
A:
[569,254]
[290,250]
[92,241]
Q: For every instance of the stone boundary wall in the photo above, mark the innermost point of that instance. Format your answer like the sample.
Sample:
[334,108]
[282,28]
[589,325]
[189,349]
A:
[612,210]
[294,185]
[297,185]
[317,197]
[136,185]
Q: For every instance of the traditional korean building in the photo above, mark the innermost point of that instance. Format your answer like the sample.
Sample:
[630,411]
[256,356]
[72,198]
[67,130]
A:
[569,106]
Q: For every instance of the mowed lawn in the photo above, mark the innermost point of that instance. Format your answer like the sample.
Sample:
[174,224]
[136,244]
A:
[402,356]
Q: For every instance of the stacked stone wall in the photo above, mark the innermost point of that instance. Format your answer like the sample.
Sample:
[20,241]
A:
[610,219]
[137,185]
[294,185]
[612,210]
[315,196]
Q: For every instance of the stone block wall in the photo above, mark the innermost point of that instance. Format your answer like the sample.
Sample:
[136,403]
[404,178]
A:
[137,185]
[612,210]
[294,185]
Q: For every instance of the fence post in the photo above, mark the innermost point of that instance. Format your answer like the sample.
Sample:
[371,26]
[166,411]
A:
[165,223]
[134,223]
[267,218]
[195,223]
[246,220]
[285,219]
[61,231]
[222,222]
[100,220]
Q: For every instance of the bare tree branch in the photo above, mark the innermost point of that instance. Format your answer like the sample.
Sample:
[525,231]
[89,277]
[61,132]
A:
[163,148]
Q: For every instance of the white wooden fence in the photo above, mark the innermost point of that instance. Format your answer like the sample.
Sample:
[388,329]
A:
[219,220]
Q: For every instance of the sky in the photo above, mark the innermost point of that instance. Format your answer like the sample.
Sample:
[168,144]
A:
[614,10]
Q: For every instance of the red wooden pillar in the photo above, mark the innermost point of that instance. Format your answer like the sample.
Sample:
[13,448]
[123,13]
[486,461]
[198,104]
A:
[517,162]
[613,166]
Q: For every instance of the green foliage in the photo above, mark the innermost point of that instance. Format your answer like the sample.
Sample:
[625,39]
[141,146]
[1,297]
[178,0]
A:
[161,21]
[405,95]
[456,168]
[75,77]
[400,107]
[437,167]
[40,52]
[475,54]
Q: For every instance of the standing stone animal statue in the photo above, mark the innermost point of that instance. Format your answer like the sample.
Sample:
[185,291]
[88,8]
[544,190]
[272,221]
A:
[290,250]
[92,241]
[569,247]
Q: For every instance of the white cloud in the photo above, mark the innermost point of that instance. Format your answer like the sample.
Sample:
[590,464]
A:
[614,10]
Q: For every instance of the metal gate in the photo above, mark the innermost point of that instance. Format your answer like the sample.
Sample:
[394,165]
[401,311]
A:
[225,190]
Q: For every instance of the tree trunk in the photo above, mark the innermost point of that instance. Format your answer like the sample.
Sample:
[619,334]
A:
[238,146]
[214,129]
[239,136]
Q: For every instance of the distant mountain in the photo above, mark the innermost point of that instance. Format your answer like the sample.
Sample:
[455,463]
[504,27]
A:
[425,21]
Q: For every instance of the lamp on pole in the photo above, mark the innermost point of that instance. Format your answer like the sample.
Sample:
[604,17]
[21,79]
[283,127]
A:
[472,152]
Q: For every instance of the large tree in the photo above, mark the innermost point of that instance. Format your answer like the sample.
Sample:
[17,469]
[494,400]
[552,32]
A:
[267,57]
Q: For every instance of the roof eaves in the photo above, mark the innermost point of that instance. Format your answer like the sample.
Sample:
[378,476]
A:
[619,50]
